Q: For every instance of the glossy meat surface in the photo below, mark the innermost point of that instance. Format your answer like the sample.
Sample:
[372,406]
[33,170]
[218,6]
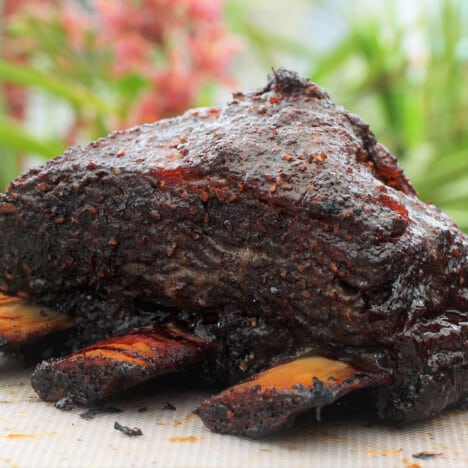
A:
[275,226]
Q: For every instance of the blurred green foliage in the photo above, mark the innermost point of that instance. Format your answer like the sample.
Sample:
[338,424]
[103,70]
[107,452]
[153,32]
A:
[406,76]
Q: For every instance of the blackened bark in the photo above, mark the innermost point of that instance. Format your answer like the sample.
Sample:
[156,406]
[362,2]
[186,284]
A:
[276,225]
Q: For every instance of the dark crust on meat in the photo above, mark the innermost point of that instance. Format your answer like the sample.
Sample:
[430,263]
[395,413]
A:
[276,225]
[424,395]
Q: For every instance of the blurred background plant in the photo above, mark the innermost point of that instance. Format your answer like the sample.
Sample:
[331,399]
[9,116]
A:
[74,70]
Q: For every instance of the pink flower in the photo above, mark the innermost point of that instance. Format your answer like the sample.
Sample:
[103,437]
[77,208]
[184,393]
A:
[15,99]
[212,50]
[172,89]
[187,36]
[76,26]
[206,10]
[15,96]
[131,53]
[147,18]
[176,45]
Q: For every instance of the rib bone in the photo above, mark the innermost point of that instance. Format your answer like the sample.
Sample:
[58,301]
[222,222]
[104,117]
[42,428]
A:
[100,370]
[273,398]
[22,323]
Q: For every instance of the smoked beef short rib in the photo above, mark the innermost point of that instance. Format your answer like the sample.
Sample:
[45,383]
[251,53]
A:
[273,229]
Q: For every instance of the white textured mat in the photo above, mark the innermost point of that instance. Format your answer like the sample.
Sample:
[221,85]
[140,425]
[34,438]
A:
[35,434]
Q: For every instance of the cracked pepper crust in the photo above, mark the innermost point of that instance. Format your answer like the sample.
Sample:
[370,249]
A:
[274,226]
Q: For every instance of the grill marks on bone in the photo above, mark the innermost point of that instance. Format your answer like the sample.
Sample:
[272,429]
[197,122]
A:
[98,371]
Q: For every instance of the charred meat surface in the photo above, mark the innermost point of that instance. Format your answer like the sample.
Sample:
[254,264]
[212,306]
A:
[275,227]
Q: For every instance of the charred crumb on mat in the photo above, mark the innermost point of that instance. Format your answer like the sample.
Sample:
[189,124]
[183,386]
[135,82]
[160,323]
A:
[3,342]
[91,413]
[65,404]
[169,406]
[426,455]
[128,431]
[143,409]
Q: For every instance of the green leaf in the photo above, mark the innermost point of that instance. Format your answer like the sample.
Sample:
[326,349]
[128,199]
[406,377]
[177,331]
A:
[325,65]
[205,97]
[460,216]
[74,94]
[14,137]
[130,86]
[9,167]
[451,191]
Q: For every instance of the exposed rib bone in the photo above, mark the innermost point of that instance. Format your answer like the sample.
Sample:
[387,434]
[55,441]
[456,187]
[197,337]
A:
[96,372]
[274,397]
[22,323]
